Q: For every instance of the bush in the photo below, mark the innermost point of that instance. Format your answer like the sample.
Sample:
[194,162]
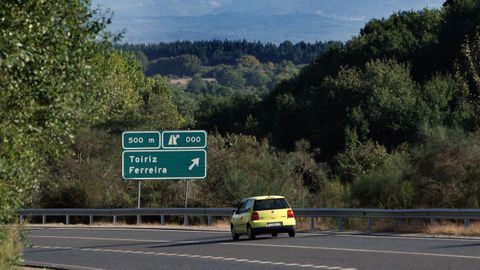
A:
[334,194]
[11,246]
[387,186]
[359,160]
[240,166]
[446,171]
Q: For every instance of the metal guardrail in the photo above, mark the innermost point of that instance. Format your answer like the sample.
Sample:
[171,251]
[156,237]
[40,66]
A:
[340,213]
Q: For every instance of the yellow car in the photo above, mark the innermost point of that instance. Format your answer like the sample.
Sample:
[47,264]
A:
[262,215]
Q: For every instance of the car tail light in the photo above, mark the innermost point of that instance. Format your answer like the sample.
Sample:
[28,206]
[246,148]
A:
[290,213]
[255,216]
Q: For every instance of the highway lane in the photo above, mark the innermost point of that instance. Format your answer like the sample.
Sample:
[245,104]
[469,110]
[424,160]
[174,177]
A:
[111,248]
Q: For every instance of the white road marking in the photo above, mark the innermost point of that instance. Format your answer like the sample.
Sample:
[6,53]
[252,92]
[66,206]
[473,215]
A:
[205,257]
[57,265]
[358,250]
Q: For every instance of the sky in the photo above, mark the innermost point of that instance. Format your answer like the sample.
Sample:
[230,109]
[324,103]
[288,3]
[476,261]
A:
[146,21]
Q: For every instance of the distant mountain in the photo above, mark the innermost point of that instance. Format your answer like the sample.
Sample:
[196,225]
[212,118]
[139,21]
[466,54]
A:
[261,20]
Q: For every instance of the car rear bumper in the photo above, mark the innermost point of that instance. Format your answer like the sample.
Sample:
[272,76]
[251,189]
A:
[269,230]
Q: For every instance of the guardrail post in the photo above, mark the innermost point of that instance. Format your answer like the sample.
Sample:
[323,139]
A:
[67,219]
[209,220]
[312,223]
[21,219]
[114,220]
[139,219]
[466,223]
[398,223]
[370,224]
[185,220]
[340,223]
[432,221]
[44,219]
[90,221]
[162,219]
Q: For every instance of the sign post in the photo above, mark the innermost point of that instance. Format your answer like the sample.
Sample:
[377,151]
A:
[167,155]
[139,193]
[185,217]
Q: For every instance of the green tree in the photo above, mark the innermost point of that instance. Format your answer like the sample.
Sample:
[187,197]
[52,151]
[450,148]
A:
[257,78]
[142,58]
[229,114]
[445,101]
[230,77]
[183,65]
[123,84]
[248,61]
[197,85]
[360,160]
[467,68]
[49,69]
[159,111]
[461,19]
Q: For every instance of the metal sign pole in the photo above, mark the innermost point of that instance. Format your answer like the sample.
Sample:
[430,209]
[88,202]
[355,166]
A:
[139,193]
[139,217]
[185,217]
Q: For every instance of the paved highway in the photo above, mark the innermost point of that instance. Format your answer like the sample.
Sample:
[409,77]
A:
[112,248]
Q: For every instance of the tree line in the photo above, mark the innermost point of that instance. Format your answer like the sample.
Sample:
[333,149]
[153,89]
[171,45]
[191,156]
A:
[215,52]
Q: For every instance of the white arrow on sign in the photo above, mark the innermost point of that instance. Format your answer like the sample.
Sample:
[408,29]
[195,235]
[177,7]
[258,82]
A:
[195,162]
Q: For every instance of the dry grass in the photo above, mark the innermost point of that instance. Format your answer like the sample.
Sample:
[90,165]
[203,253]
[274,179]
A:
[321,224]
[11,247]
[185,81]
[438,228]
[454,229]
[399,226]
[220,225]
[180,82]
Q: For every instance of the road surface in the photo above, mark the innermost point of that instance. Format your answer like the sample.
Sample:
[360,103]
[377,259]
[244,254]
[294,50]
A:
[114,248]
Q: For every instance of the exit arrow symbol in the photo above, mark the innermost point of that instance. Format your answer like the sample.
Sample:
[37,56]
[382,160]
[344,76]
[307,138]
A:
[195,162]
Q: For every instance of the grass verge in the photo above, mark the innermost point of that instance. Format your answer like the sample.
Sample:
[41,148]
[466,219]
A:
[10,247]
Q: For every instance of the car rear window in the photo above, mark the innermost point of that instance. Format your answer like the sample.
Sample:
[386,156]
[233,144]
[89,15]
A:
[269,204]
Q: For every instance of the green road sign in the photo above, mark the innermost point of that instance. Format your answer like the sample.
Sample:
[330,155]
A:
[184,139]
[141,140]
[164,164]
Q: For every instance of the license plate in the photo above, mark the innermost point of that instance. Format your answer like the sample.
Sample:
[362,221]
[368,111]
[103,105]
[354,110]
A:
[274,224]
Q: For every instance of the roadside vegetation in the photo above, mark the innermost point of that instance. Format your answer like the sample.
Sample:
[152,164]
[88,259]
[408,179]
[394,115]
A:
[389,119]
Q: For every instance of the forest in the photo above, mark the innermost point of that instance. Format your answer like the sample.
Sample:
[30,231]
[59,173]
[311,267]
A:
[215,52]
[388,119]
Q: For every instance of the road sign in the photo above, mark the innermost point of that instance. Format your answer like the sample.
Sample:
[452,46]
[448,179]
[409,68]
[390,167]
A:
[141,140]
[164,164]
[184,139]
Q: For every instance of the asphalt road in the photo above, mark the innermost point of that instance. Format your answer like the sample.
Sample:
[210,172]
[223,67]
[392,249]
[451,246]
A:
[108,248]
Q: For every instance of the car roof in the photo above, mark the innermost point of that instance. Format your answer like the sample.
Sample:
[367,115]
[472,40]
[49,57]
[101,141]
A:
[265,197]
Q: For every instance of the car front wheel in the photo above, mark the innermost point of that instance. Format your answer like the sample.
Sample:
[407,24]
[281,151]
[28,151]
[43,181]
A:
[291,233]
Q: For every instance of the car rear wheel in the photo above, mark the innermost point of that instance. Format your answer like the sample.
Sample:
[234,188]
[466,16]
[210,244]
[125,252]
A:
[250,233]
[235,236]
[291,233]
[274,234]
